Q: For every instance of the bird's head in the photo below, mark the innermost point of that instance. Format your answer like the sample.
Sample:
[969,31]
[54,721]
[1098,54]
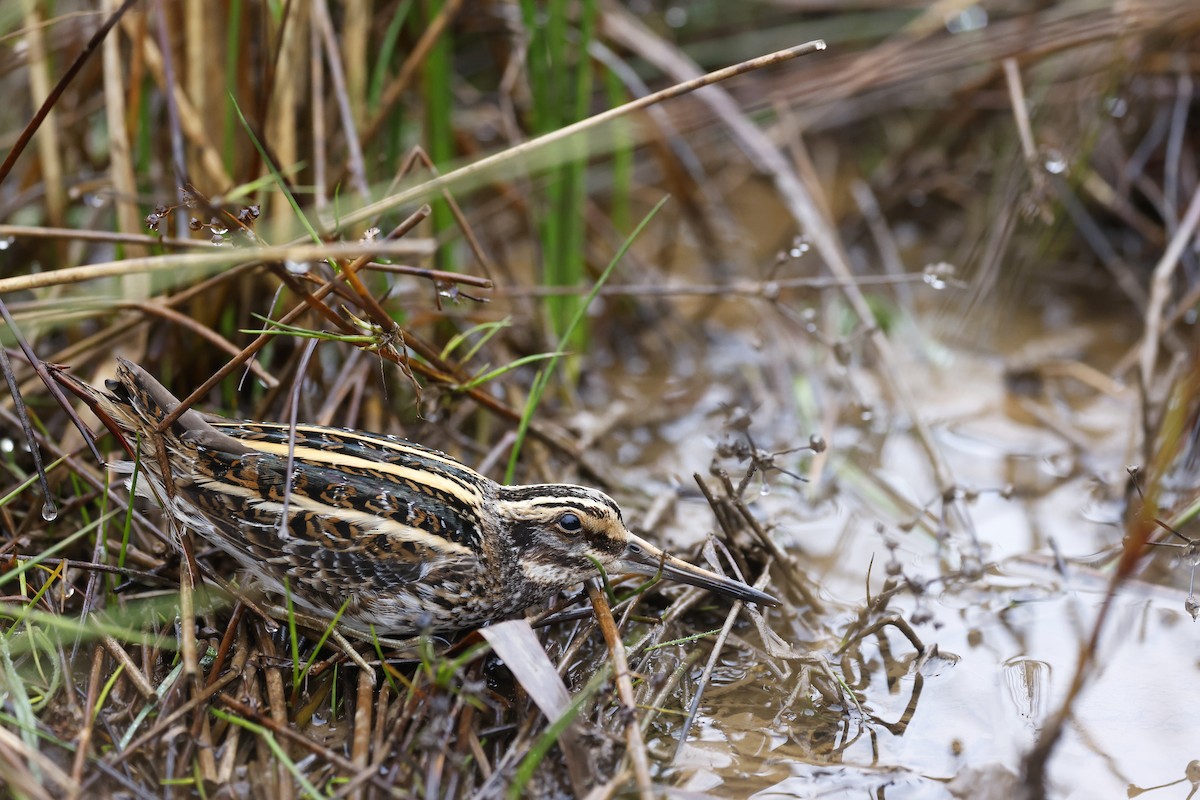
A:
[560,533]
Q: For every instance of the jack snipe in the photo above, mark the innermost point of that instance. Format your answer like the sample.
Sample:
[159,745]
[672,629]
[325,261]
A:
[410,537]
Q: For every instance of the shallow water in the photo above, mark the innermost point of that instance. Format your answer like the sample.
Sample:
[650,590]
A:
[956,721]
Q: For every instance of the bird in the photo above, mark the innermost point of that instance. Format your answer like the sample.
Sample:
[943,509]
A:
[388,536]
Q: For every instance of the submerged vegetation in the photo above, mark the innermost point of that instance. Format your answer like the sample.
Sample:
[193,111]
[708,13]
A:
[901,329]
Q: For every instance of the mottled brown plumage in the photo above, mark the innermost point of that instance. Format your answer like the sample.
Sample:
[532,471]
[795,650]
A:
[407,538]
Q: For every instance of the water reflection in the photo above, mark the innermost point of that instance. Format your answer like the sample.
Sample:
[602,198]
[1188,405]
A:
[1027,680]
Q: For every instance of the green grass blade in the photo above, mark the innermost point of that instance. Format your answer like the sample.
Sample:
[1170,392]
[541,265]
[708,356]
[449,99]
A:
[543,377]
[549,737]
[269,738]
[275,173]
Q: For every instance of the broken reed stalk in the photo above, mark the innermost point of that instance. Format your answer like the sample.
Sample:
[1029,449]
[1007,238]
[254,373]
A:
[635,746]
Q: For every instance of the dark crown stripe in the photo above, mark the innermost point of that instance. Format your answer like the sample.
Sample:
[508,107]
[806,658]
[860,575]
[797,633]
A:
[564,504]
[548,491]
[578,498]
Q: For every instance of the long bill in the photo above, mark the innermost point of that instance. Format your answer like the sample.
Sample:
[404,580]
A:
[643,558]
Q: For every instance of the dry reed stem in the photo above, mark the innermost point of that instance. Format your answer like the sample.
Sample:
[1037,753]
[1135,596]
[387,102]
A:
[514,158]
[357,22]
[418,154]
[136,676]
[192,125]
[200,68]
[83,739]
[435,275]
[225,258]
[320,133]
[1160,289]
[137,240]
[227,640]
[635,747]
[333,58]
[206,763]
[277,707]
[120,168]
[38,769]
[281,123]
[360,748]
[48,144]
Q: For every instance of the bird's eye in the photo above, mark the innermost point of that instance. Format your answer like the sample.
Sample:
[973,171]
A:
[570,523]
